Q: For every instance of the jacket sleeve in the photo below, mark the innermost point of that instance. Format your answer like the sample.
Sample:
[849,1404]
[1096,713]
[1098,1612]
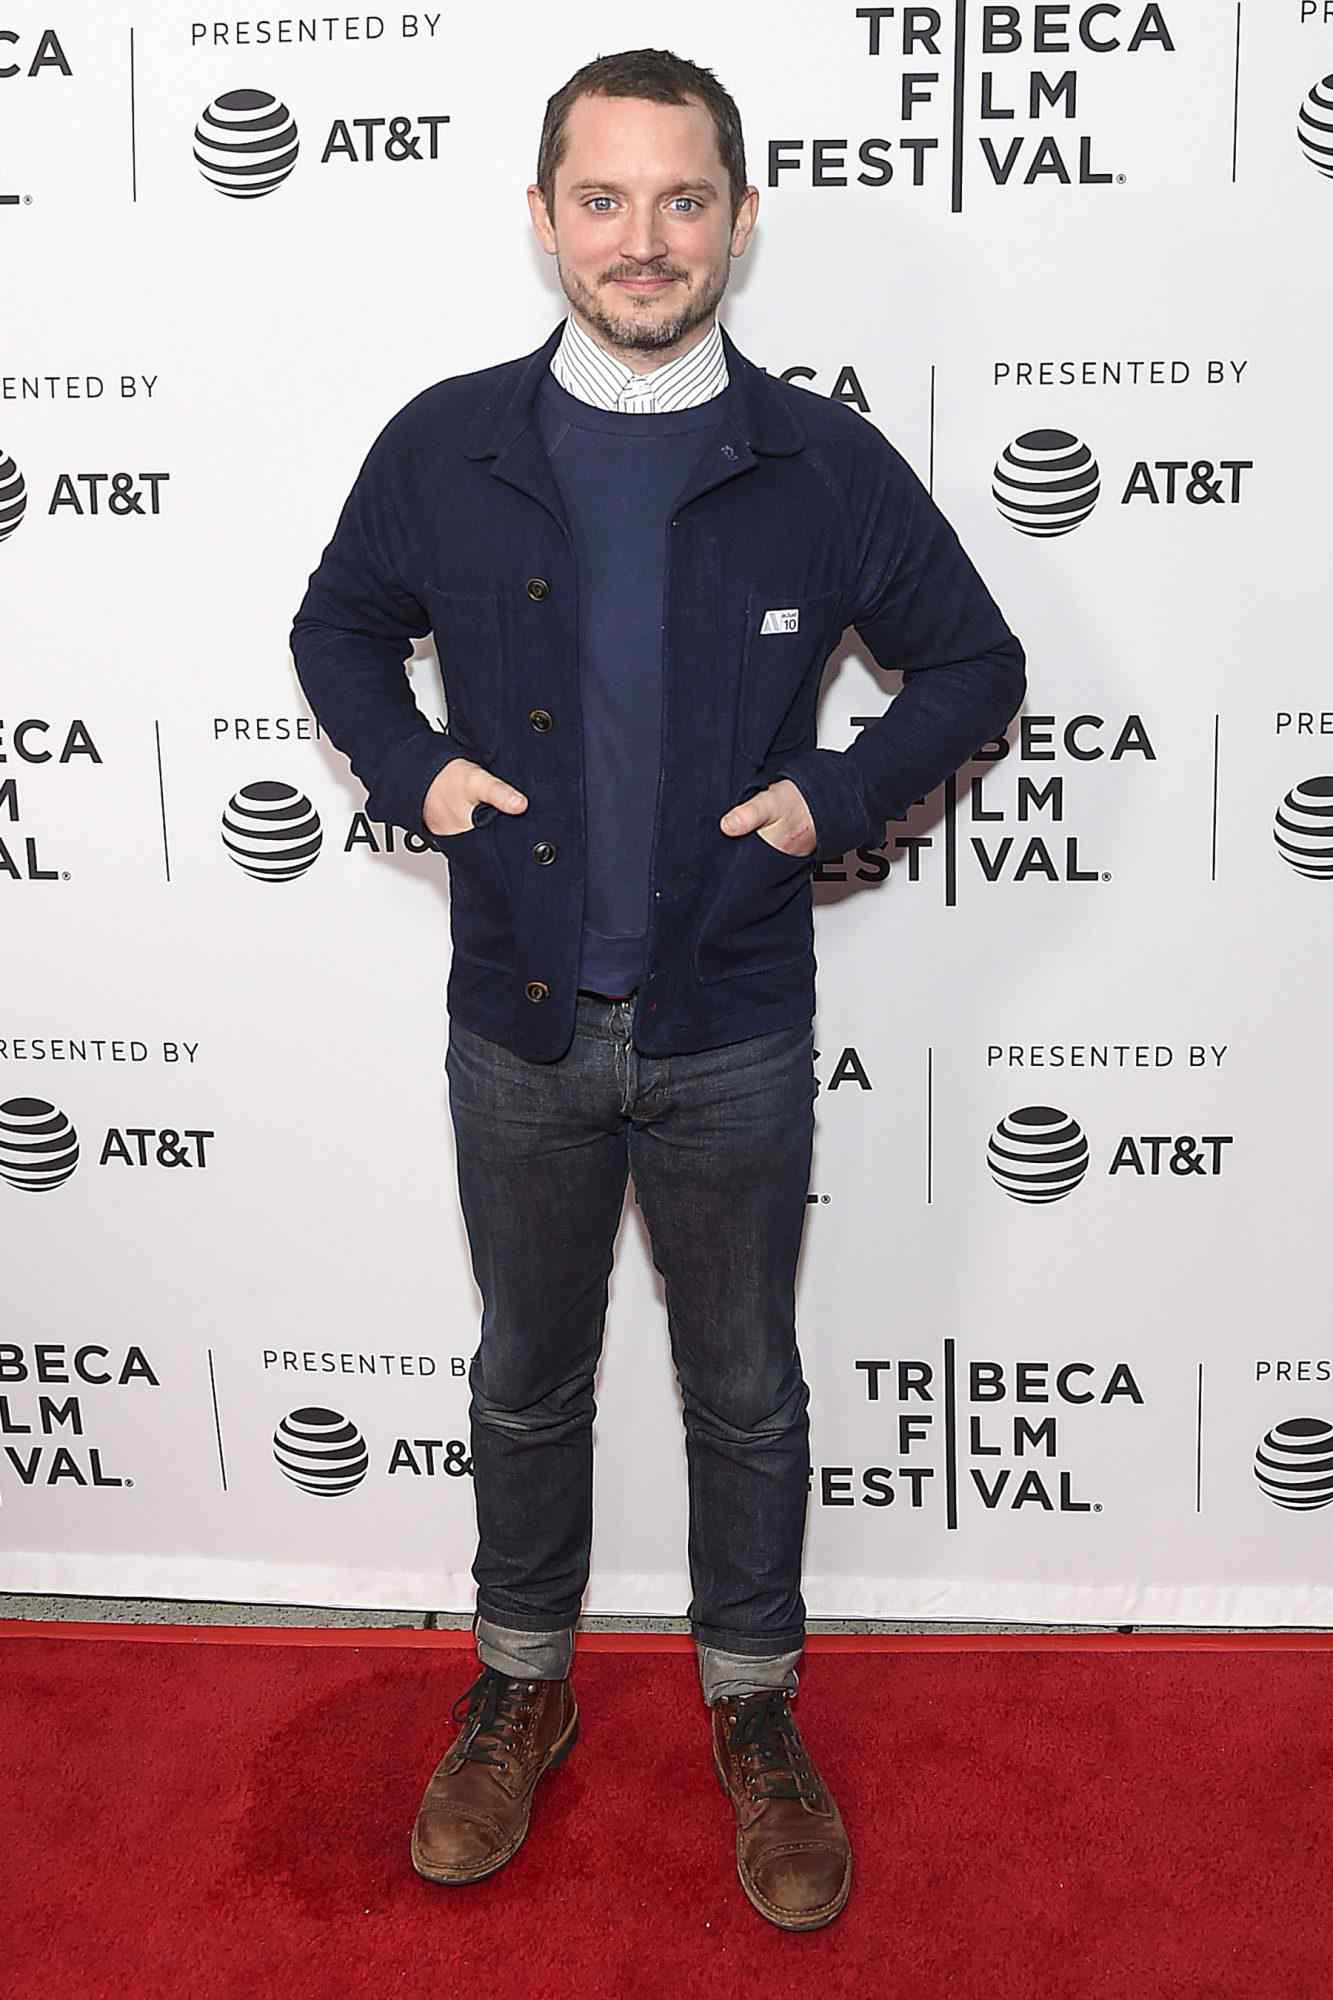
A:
[350,638]
[919,605]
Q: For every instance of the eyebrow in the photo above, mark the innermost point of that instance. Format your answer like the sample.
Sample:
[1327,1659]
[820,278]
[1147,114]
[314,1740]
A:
[610,187]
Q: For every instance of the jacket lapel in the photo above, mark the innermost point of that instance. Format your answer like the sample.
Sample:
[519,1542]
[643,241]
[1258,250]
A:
[505,429]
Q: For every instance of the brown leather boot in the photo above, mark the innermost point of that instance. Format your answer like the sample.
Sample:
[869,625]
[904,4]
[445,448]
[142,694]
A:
[475,1812]
[792,1851]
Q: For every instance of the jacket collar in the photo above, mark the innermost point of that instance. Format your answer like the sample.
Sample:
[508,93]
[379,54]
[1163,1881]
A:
[762,415]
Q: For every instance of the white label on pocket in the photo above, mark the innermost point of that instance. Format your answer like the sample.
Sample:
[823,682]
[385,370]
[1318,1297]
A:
[781,621]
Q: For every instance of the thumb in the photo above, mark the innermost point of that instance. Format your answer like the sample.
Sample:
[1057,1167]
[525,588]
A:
[755,811]
[497,792]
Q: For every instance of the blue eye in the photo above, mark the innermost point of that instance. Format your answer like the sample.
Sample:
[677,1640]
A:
[606,197]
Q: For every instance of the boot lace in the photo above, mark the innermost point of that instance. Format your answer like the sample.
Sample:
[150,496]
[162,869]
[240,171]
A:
[765,1738]
[496,1707]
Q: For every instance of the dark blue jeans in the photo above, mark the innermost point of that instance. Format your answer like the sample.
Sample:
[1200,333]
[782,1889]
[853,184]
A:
[719,1144]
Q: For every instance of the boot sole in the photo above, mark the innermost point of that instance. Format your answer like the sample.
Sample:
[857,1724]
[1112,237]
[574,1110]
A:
[787,1920]
[557,1753]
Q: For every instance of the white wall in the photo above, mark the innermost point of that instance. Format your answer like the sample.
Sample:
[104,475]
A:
[1134,952]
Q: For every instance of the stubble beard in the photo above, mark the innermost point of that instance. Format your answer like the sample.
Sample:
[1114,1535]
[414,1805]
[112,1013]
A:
[639,331]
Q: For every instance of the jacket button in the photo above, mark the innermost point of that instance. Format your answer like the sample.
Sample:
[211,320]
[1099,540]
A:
[537,989]
[544,851]
[541,719]
[538,587]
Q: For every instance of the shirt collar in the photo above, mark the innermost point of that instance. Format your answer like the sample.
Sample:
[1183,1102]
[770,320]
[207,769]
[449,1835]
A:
[765,414]
[594,376]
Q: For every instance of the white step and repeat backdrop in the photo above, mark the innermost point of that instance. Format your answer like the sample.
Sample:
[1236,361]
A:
[1063,1295]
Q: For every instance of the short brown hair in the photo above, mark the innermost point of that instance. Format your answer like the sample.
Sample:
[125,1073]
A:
[661,77]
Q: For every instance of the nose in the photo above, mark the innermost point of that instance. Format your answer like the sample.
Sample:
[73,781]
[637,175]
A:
[642,241]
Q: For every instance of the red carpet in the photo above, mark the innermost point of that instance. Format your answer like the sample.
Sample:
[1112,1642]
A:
[220,1812]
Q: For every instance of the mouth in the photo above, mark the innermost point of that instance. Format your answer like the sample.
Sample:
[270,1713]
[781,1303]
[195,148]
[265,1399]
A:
[644,286]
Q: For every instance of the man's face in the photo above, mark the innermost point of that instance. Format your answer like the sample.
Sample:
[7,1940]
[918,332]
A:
[642,195]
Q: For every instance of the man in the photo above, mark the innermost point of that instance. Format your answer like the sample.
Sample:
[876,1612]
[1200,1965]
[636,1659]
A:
[636,552]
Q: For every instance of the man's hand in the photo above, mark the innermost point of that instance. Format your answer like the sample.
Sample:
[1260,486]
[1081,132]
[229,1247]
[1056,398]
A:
[782,809]
[460,786]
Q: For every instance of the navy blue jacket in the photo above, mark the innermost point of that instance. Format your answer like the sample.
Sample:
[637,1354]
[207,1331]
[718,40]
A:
[455,526]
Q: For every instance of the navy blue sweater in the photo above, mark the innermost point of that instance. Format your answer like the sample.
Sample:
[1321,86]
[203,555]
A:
[620,472]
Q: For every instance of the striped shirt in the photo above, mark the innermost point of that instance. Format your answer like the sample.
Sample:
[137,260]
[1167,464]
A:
[586,370]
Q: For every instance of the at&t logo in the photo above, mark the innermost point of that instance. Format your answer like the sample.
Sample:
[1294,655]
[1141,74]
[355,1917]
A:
[1294,1464]
[1303,829]
[321,1451]
[271,831]
[1314,126]
[1039,1154]
[246,143]
[1047,482]
[13,497]
[39,1147]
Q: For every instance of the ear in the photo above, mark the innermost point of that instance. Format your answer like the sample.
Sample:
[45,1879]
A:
[541,221]
[745,220]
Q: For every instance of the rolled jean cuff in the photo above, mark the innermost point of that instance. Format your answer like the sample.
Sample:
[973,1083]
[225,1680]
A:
[730,1675]
[528,1656]
[755,1645]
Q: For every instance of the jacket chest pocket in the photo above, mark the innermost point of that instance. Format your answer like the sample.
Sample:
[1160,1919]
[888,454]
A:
[470,648]
[787,641]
